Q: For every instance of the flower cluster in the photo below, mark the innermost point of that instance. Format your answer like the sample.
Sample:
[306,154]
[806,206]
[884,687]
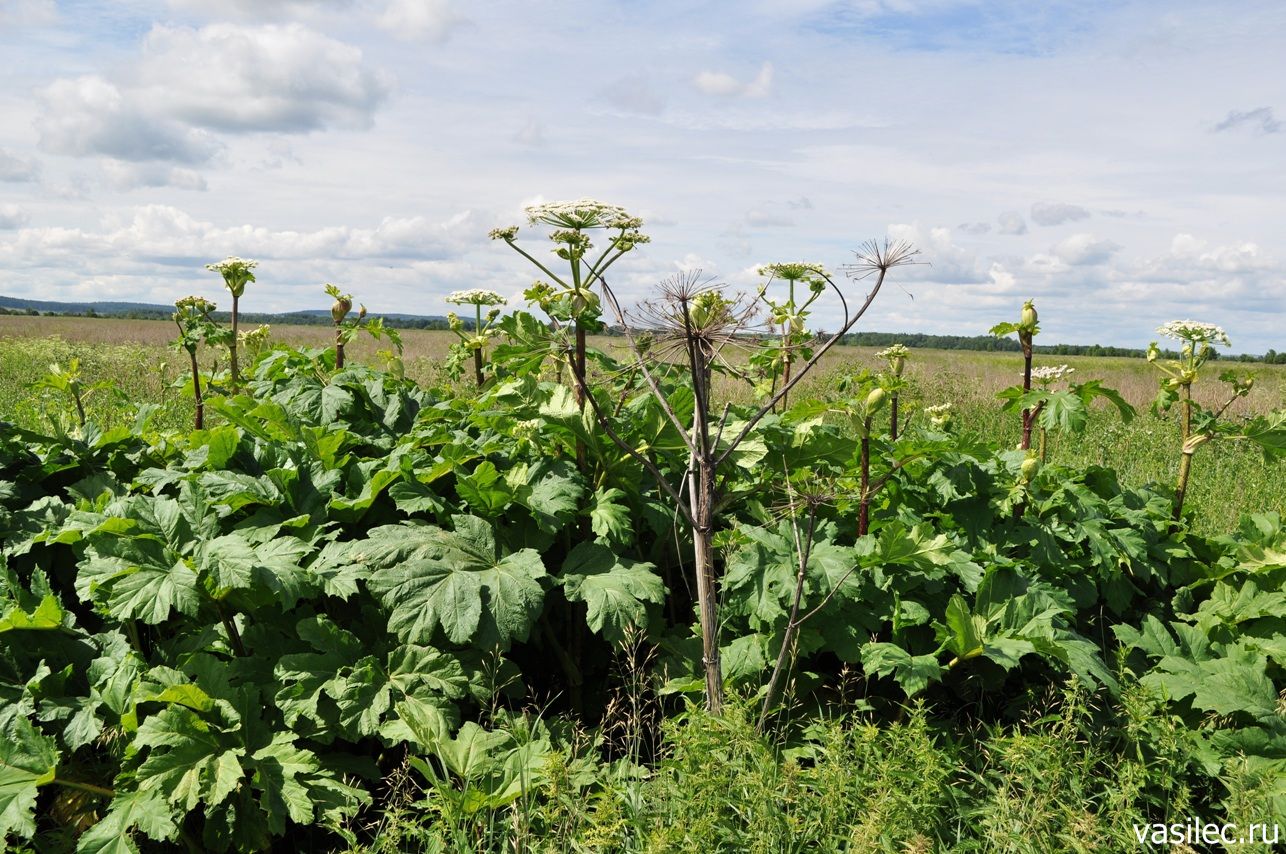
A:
[940,415]
[582,213]
[508,233]
[896,351]
[233,264]
[475,296]
[194,305]
[1051,373]
[1194,332]
[793,272]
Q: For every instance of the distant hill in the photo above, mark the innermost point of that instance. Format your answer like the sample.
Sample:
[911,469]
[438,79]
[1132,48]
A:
[156,311]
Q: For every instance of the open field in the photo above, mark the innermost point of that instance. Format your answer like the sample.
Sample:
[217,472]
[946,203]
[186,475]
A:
[136,359]
[377,616]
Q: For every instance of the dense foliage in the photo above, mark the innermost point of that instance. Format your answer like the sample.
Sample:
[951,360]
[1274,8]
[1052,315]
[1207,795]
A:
[221,637]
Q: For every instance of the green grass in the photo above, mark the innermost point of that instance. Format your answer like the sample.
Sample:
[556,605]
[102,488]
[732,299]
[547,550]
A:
[1076,776]
[132,360]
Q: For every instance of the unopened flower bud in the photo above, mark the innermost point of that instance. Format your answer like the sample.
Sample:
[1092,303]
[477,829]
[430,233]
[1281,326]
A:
[1029,468]
[874,400]
[1029,316]
[340,309]
[361,312]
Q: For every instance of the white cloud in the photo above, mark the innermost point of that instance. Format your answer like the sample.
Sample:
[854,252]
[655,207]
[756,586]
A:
[421,20]
[231,77]
[975,228]
[531,134]
[152,232]
[768,219]
[1056,213]
[722,84]
[16,169]
[89,115]
[1260,120]
[1085,249]
[12,216]
[633,93]
[1011,222]
[124,176]
[27,13]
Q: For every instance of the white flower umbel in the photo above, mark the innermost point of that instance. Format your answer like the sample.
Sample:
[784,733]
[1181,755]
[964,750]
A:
[232,264]
[793,271]
[896,351]
[475,296]
[1051,373]
[1194,332]
[581,213]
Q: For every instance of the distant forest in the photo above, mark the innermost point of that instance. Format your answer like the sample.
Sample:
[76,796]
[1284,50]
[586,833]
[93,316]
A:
[860,339]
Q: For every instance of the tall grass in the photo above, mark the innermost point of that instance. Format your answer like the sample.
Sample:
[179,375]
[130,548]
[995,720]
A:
[134,359]
[1078,774]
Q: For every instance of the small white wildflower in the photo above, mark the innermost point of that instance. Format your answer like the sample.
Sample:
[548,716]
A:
[475,296]
[1194,332]
[896,351]
[1051,373]
[940,415]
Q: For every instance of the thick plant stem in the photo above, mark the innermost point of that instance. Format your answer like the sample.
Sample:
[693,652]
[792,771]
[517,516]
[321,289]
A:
[339,348]
[1181,488]
[80,408]
[234,636]
[786,655]
[86,787]
[1028,414]
[864,499]
[477,353]
[232,345]
[702,504]
[196,391]
[893,417]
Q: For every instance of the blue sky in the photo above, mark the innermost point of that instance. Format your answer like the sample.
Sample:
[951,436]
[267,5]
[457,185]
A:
[1122,163]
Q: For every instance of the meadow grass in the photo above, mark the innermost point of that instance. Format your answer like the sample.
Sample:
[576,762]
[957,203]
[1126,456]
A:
[135,363]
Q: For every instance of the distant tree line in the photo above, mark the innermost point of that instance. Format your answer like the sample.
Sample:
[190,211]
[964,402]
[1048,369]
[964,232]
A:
[986,343]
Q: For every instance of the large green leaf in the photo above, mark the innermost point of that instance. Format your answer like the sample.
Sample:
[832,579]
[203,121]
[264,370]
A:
[28,760]
[615,590]
[429,578]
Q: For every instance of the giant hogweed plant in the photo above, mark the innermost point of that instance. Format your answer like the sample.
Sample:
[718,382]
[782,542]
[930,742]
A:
[473,342]
[694,321]
[196,327]
[804,283]
[236,274]
[1198,424]
[347,328]
[569,298]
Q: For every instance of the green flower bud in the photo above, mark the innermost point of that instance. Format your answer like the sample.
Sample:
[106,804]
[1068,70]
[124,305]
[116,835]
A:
[1029,468]
[874,401]
[1029,317]
[340,309]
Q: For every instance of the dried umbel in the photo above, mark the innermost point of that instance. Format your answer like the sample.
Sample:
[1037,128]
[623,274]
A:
[694,311]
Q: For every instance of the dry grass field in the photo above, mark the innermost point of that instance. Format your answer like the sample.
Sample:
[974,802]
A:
[135,363]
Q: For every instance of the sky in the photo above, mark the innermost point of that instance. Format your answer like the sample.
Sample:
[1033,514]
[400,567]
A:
[1122,163]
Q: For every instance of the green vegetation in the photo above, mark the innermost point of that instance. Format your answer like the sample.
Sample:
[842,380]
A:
[630,595]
